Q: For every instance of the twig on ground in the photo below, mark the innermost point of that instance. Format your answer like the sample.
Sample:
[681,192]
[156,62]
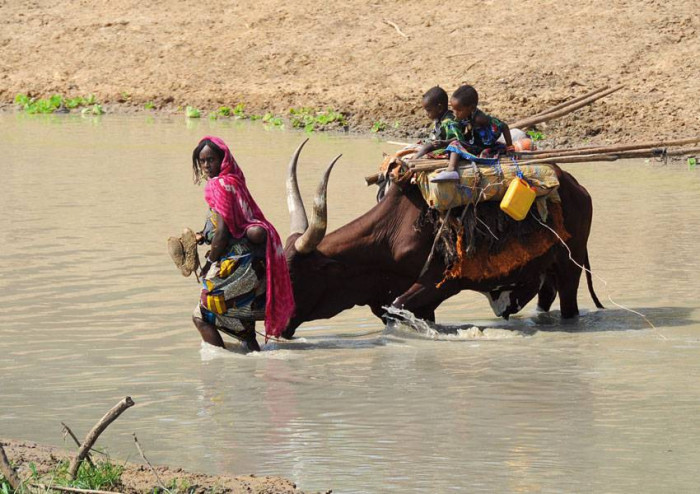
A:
[68,432]
[47,488]
[469,67]
[92,436]
[138,446]
[7,471]
[398,29]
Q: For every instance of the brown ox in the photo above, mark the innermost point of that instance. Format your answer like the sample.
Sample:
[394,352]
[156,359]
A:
[376,260]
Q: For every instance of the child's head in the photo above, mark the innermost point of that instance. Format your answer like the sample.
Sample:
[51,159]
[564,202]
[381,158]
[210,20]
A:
[464,101]
[435,102]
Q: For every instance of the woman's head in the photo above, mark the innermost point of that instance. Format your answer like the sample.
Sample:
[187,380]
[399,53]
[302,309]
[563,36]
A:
[206,160]
[464,102]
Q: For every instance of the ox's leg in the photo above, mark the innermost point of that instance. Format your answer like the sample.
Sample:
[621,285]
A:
[547,292]
[509,300]
[423,297]
[568,275]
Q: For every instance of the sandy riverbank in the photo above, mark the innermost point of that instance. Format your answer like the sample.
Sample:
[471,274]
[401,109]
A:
[522,57]
[139,478]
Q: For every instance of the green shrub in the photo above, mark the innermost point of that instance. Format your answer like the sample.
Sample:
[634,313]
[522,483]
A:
[378,126]
[536,135]
[191,112]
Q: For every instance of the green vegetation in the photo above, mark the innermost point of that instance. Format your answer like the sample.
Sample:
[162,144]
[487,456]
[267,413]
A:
[536,135]
[105,475]
[238,111]
[192,112]
[224,111]
[310,119]
[149,105]
[92,110]
[271,119]
[378,126]
[54,103]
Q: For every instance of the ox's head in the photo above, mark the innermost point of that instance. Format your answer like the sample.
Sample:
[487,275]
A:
[312,273]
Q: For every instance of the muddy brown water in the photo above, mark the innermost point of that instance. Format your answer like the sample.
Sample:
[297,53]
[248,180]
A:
[91,310]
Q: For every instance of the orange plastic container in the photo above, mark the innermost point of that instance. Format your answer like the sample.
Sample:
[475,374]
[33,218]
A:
[518,199]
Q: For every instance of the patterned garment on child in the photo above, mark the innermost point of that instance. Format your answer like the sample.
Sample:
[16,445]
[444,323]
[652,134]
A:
[481,133]
[446,128]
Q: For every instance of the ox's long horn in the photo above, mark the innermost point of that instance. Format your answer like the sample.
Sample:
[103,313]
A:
[314,234]
[297,213]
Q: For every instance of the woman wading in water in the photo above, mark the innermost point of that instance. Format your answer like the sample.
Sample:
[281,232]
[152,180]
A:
[245,276]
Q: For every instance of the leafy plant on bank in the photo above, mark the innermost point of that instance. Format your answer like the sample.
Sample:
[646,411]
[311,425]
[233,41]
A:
[92,110]
[192,112]
[309,119]
[54,103]
[271,119]
[378,126]
[104,475]
[536,135]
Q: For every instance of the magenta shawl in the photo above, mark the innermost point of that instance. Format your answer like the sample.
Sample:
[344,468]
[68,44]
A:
[228,195]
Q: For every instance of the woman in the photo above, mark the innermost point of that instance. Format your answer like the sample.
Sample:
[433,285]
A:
[245,275]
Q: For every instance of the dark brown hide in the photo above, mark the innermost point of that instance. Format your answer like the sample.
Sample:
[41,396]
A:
[376,260]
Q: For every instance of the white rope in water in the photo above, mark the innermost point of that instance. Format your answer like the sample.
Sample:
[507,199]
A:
[605,283]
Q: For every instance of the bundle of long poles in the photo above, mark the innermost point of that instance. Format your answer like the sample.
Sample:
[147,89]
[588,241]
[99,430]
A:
[565,108]
[656,149]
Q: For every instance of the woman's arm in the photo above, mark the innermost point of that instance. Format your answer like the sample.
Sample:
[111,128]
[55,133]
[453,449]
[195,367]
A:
[221,239]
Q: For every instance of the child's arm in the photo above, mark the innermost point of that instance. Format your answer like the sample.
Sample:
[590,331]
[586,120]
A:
[505,130]
[425,149]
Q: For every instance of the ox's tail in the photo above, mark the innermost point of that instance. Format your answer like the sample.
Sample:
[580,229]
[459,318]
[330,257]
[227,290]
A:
[589,280]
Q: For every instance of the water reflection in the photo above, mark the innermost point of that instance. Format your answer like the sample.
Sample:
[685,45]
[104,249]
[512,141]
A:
[91,310]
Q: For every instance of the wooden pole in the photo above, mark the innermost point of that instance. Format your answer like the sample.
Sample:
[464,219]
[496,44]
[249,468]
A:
[8,471]
[611,149]
[570,102]
[95,432]
[530,121]
[430,165]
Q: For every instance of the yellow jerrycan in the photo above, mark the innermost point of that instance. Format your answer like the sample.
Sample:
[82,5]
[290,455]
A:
[518,199]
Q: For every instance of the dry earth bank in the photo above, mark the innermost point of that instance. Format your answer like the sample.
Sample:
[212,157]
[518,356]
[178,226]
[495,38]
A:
[522,56]
[139,478]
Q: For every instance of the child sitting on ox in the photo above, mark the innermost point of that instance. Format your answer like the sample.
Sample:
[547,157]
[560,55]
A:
[480,133]
[446,128]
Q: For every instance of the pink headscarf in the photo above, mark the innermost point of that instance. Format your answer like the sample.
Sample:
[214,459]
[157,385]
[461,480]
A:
[228,195]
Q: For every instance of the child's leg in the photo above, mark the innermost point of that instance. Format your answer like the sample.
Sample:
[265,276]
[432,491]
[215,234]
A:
[454,159]
[450,174]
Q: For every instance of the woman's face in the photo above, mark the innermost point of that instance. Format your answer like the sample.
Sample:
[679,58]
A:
[209,162]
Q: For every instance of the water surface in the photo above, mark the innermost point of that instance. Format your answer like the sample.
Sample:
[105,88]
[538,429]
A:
[91,310]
